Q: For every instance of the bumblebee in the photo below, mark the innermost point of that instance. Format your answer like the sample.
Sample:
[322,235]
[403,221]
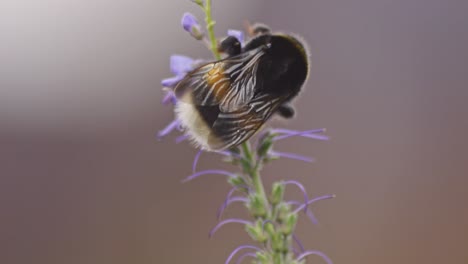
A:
[223,103]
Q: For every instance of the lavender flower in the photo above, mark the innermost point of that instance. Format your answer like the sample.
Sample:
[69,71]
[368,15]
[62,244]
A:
[190,24]
[169,128]
[274,218]
[180,65]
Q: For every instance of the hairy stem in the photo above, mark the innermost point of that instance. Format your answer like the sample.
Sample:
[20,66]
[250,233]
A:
[210,29]
[254,173]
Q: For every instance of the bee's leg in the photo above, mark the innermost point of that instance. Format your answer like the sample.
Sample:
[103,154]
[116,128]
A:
[285,111]
[230,45]
[256,29]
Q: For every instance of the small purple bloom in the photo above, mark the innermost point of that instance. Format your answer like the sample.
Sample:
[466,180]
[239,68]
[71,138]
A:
[168,129]
[239,35]
[190,24]
[179,66]
[169,97]
[188,21]
[172,81]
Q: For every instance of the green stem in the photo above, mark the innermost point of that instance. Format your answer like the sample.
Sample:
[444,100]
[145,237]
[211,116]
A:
[254,174]
[258,185]
[210,28]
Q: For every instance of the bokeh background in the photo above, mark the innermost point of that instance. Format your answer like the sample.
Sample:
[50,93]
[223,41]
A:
[83,178]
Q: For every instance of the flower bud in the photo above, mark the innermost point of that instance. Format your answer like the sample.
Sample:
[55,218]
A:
[277,193]
[266,142]
[257,206]
[283,211]
[256,232]
[263,258]
[191,25]
[237,181]
[289,224]
[277,242]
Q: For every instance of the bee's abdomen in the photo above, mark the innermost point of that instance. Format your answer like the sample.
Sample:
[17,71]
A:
[208,113]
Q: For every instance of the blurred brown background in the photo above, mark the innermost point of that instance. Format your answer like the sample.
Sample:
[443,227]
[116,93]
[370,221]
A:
[84,180]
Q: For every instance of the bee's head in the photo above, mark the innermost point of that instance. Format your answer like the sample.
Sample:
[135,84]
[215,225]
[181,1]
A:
[230,46]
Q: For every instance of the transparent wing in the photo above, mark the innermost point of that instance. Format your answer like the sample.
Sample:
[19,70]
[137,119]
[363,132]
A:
[234,127]
[229,83]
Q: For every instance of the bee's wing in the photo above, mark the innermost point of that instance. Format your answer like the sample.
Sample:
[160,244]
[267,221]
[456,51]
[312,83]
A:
[229,83]
[234,127]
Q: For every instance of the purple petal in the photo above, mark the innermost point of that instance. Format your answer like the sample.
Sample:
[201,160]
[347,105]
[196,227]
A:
[295,251]
[239,35]
[228,153]
[324,197]
[250,254]
[298,242]
[312,217]
[303,190]
[309,213]
[181,138]
[169,97]
[168,129]
[201,173]
[189,21]
[195,160]
[237,249]
[292,156]
[228,196]
[228,202]
[314,252]
[292,133]
[228,221]
[180,64]
[172,81]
